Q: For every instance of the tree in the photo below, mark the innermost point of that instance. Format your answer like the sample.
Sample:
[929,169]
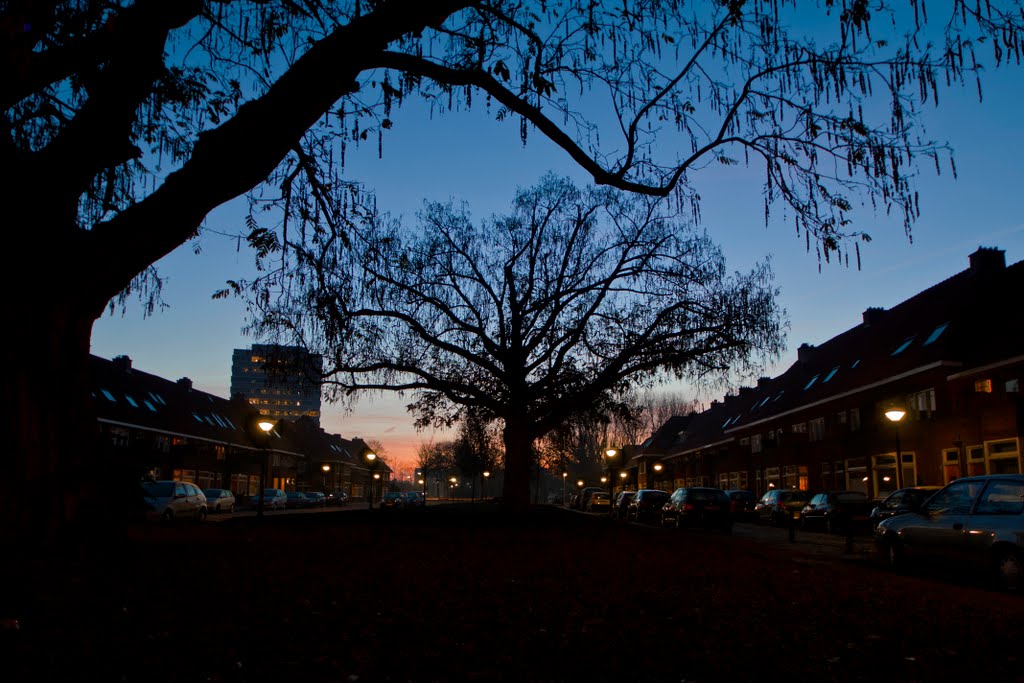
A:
[530,318]
[126,122]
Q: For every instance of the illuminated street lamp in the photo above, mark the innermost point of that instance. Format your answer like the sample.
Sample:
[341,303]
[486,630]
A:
[608,455]
[371,461]
[451,489]
[266,425]
[896,415]
[565,477]
[487,476]
[326,468]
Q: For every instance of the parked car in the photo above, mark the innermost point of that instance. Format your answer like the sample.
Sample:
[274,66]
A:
[273,499]
[337,498]
[585,494]
[972,524]
[622,499]
[392,500]
[415,499]
[741,504]
[698,506]
[600,501]
[219,500]
[778,506]
[167,501]
[900,502]
[646,505]
[299,500]
[836,511]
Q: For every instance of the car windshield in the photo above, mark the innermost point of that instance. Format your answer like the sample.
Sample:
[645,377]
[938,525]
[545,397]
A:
[707,496]
[794,495]
[392,496]
[212,493]
[851,496]
[158,489]
[269,492]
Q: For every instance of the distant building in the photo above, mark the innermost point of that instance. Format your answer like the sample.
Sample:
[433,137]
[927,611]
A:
[279,381]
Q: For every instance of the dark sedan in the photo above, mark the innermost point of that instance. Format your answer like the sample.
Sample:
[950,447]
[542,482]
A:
[742,502]
[698,506]
[901,502]
[836,511]
[646,505]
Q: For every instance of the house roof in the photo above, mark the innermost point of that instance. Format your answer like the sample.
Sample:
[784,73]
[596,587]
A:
[947,328]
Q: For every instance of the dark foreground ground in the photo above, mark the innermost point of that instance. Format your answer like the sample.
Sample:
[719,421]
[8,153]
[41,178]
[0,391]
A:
[464,593]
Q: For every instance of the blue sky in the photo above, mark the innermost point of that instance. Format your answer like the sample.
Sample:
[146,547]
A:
[466,155]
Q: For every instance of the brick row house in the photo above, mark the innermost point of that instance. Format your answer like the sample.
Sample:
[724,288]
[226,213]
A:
[148,424]
[950,358]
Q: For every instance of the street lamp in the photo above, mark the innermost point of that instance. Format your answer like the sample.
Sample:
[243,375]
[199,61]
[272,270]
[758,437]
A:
[609,454]
[896,415]
[487,476]
[565,476]
[451,489]
[371,461]
[266,426]
[326,468]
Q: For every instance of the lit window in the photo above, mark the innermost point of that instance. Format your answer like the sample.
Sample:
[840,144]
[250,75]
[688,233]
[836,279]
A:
[903,347]
[983,386]
[936,333]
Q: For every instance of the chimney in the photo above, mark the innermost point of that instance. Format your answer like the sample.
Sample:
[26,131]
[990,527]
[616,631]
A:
[803,353]
[186,383]
[872,316]
[762,382]
[988,260]
[746,391]
[122,363]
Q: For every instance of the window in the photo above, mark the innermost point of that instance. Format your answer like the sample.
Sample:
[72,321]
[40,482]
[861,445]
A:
[936,333]
[950,464]
[975,460]
[983,386]
[772,477]
[841,417]
[854,419]
[110,396]
[1012,386]
[903,347]
[1003,456]
[923,403]
[745,441]
[811,383]
[800,428]
[955,499]
[755,443]
[131,401]
[816,429]
[1002,498]
[831,374]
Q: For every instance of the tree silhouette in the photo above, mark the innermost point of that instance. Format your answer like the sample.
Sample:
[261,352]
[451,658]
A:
[126,122]
[530,318]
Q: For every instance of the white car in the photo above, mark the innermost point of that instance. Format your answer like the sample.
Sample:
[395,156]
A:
[167,501]
[219,500]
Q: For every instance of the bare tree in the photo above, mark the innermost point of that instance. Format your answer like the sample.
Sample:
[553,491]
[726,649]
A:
[126,122]
[529,318]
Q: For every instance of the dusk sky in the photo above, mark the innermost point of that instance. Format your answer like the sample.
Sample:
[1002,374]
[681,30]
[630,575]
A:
[469,156]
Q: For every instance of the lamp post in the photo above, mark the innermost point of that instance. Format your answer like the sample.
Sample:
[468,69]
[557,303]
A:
[326,468]
[565,476]
[373,487]
[371,461]
[609,454]
[266,426]
[487,476]
[451,489]
[896,415]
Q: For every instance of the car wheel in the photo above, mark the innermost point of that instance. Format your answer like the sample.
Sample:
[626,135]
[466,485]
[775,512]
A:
[231,508]
[1008,570]
[201,515]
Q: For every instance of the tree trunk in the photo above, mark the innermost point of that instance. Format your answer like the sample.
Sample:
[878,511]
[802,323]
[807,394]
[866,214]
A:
[51,427]
[518,440]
